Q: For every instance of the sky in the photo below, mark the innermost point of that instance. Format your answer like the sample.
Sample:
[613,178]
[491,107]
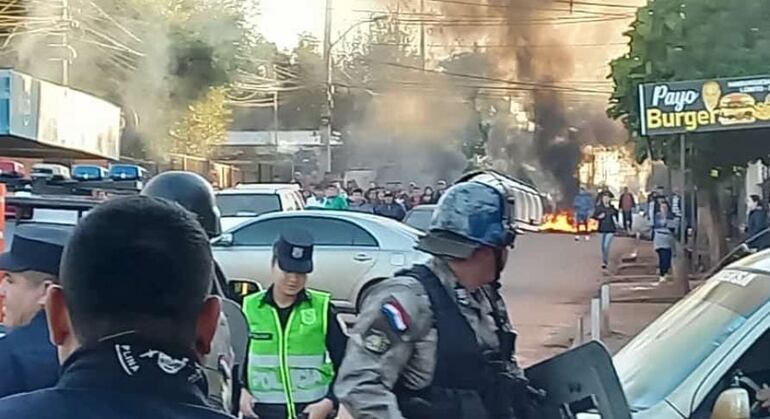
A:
[281,21]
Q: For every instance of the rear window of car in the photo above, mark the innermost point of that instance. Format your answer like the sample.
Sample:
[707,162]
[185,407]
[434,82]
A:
[127,172]
[87,172]
[419,219]
[247,205]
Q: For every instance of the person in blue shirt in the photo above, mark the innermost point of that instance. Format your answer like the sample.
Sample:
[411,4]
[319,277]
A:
[583,204]
[27,358]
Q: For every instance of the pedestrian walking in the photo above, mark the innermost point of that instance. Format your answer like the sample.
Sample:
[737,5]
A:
[358,202]
[435,341]
[296,343]
[627,204]
[583,206]
[332,198]
[27,357]
[757,222]
[607,216]
[390,208]
[129,335]
[663,240]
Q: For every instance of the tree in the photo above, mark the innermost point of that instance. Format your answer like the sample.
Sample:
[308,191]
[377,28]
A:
[203,126]
[689,40]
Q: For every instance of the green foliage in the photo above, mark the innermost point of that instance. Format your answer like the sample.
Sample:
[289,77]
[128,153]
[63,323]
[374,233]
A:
[689,40]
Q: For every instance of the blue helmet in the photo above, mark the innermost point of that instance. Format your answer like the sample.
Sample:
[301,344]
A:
[470,214]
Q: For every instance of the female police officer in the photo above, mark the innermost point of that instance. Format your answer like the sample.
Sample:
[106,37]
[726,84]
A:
[295,342]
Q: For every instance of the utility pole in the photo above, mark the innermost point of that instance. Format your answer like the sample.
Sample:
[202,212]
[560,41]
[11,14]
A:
[326,114]
[65,62]
[275,117]
[422,33]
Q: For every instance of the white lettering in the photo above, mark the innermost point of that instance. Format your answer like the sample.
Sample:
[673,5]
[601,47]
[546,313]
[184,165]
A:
[677,98]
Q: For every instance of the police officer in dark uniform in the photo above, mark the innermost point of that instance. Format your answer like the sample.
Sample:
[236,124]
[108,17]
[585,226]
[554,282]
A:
[132,318]
[435,340]
[196,195]
[27,358]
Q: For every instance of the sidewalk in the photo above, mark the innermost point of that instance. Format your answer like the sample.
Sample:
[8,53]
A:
[636,295]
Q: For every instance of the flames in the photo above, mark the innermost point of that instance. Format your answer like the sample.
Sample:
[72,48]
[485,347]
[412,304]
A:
[564,222]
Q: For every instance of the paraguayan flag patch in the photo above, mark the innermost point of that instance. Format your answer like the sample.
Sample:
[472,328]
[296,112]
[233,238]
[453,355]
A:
[396,314]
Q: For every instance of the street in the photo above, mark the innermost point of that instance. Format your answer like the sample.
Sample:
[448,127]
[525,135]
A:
[546,285]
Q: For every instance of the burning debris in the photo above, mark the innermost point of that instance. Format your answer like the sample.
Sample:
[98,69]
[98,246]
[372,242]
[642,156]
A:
[564,222]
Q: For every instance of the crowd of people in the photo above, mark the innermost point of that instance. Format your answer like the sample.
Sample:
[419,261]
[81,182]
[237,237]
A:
[392,201]
[662,212]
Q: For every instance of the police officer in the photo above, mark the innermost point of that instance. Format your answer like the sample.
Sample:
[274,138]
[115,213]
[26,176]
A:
[296,343]
[196,195]
[435,341]
[27,357]
[131,319]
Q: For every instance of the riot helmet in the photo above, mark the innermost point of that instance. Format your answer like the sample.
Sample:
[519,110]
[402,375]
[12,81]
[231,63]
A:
[191,191]
[470,214]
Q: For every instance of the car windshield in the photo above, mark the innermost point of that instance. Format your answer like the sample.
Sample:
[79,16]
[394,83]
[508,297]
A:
[685,335]
[419,218]
[247,205]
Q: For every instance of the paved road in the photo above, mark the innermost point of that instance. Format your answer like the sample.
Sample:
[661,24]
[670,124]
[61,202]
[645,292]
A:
[546,284]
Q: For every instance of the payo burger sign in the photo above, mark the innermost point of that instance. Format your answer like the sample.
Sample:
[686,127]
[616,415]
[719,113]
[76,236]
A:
[705,105]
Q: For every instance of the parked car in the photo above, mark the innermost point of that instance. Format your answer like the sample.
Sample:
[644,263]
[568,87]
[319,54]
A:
[717,335]
[89,172]
[419,217]
[11,169]
[50,171]
[128,172]
[352,250]
[242,204]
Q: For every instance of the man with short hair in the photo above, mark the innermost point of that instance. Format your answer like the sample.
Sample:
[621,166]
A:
[333,199]
[27,357]
[358,203]
[131,318]
[317,199]
[389,208]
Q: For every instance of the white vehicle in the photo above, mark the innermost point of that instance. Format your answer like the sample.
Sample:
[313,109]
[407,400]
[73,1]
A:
[244,202]
[716,336]
[351,250]
[50,171]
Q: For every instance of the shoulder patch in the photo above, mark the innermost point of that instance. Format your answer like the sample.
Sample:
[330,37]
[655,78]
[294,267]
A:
[397,316]
[376,341]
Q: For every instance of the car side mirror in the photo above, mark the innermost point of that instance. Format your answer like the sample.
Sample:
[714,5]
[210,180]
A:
[225,240]
[733,403]
[243,287]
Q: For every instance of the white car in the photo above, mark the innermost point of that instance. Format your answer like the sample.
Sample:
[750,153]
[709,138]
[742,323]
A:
[679,365]
[245,202]
[351,250]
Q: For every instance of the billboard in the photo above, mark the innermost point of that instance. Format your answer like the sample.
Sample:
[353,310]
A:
[704,105]
[53,117]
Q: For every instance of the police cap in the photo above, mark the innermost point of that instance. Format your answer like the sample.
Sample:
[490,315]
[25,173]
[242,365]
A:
[294,251]
[36,248]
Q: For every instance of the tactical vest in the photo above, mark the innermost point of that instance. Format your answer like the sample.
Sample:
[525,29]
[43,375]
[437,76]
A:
[462,377]
[288,366]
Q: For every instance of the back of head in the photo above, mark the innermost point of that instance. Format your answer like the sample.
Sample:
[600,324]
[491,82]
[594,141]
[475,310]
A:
[137,264]
[191,191]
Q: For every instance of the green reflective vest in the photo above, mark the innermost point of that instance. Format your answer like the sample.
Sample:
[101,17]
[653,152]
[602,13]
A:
[288,366]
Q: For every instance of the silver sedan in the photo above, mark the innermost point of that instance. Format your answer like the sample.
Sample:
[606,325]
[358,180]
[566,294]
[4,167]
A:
[351,250]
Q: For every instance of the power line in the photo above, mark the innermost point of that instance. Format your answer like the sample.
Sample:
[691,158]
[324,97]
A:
[607,44]
[509,5]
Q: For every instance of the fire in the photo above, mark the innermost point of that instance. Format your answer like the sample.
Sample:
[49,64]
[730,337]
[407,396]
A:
[564,222]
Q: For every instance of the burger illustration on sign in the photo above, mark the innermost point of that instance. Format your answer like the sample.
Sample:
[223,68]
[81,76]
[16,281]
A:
[736,108]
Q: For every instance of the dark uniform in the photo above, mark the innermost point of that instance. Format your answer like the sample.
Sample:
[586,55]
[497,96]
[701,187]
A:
[119,378]
[132,372]
[28,360]
[426,347]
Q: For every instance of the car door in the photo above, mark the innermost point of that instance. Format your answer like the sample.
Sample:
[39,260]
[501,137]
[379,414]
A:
[344,252]
[251,251]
